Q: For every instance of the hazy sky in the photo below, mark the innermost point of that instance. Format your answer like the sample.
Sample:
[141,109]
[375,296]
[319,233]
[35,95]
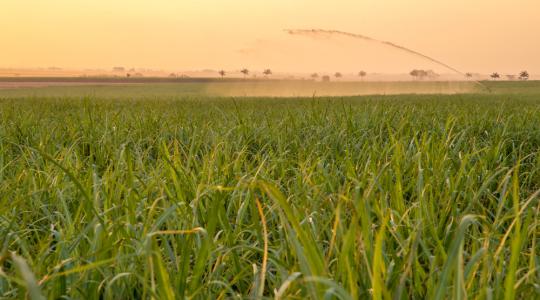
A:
[471,35]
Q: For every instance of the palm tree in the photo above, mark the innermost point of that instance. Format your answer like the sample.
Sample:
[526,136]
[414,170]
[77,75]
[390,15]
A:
[524,75]
[314,75]
[222,73]
[267,72]
[495,76]
[468,75]
[362,74]
[338,75]
[245,72]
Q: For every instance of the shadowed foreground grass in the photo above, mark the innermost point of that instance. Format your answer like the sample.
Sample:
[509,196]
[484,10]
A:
[385,197]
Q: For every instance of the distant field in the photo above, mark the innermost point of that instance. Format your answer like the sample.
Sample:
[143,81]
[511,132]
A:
[211,87]
[164,87]
[162,191]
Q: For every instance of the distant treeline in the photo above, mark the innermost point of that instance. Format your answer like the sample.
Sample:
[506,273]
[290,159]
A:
[98,79]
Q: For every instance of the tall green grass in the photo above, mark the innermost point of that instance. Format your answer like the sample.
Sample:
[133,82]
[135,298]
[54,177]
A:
[427,197]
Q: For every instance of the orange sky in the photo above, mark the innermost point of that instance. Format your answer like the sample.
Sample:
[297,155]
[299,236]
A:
[473,35]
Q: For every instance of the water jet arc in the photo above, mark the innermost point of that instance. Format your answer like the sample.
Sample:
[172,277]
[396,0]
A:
[325,32]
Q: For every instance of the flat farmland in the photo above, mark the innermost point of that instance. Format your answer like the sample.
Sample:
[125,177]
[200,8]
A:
[162,190]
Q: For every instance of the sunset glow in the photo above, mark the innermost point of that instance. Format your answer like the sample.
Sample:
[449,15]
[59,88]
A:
[476,36]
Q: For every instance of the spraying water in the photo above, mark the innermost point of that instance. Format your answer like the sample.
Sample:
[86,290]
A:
[329,33]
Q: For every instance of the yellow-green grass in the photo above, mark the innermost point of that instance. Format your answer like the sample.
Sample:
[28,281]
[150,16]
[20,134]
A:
[412,196]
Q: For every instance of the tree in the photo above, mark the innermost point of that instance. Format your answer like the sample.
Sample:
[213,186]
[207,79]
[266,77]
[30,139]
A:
[222,73]
[362,74]
[267,72]
[495,76]
[314,76]
[338,75]
[430,74]
[468,75]
[420,74]
[524,75]
[245,72]
[326,78]
[511,77]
